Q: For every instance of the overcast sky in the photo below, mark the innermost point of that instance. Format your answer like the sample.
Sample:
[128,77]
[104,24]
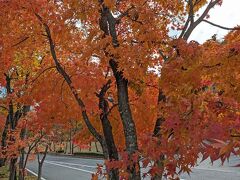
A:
[226,15]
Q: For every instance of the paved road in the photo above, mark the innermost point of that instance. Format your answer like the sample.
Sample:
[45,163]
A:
[206,171]
[71,168]
[66,168]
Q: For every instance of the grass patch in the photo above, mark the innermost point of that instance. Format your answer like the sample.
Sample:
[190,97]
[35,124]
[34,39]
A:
[4,173]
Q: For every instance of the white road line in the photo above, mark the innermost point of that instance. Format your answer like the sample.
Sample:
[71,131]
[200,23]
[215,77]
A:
[35,174]
[213,169]
[69,167]
[82,165]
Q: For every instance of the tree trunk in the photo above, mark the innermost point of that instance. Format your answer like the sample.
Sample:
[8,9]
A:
[104,148]
[12,169]
[66,147]
[22,156]
[9,119]
[72,149]
[96,147]
[107,24]
[157,133]
[126,116]
[64,74]
[40,163]
[107,130]
[21,165]
[112,150]
[90,147]
[70,142]
[40,171]
[3,141]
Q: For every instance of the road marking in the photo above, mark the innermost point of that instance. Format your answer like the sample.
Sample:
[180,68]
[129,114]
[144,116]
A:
[35,174]
[213,169]
[69,167]
[82,165]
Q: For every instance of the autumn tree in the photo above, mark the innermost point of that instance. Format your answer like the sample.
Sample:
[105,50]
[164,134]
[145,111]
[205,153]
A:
[105,54]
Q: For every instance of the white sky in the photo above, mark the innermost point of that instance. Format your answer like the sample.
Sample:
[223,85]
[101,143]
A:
[226,15]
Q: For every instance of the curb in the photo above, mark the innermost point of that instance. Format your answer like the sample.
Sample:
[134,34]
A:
[90,156]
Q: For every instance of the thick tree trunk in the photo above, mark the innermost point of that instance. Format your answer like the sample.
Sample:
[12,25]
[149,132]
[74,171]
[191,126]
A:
[12,169]
[126,116]
[107,24]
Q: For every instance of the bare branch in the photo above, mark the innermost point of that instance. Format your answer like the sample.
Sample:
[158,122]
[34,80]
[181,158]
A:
[235,135]
[219,26]
[189,19]
[24,39]
[3,107]
[42,73]
[125,13]
[191,12]
[200,19]
[111,108]
[212,66]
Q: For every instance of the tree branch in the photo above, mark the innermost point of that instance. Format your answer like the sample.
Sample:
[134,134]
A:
[200,19]
[69,82]
[24,39]
[191,12]
[165,58]
[42,73]
[125,13]
[219,26]
[3,107]
[62,94]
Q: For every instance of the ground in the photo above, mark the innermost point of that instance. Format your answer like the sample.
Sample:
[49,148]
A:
[4,174]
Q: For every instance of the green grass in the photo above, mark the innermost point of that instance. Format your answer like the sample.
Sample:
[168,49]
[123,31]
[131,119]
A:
[4,173]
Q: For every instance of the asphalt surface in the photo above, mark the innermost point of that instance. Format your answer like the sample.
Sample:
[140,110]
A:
[216,171]
[66,168]
[75,168]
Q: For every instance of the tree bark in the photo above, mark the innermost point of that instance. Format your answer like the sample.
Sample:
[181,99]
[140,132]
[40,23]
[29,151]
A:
[157,133]
[109,28]
[8,119]
[126,116]
[21,172]
[96,147]
[74,92]
[40,163]
[3,141]
[107,130]
[12,169]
